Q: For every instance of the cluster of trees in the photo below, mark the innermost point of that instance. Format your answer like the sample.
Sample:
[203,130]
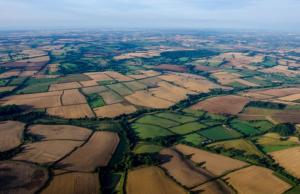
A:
[263,104]
[189,54]
[284,129]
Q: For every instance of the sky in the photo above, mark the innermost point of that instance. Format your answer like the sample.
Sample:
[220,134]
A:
[283,15]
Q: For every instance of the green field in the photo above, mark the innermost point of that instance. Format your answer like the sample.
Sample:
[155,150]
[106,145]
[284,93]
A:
[193,138]
[153,120]
[251,128]
[195,113]
[149,131]
[187,128]
[35,85]
[144,147]
[16,81]
[176,117]
[120,89]
[95,101]
[220,133]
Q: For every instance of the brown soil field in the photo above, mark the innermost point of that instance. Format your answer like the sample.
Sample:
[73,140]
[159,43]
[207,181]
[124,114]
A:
[60,132]
[88,83]
[97,152]
[255,95]
[289,159]
[36,59]
[214,163]
[190,82]
[246,83]
[72,111]
[27,73]
[114,110]
[138,54]
[150,180]
[213,187]
[64,86]
[149,73]
[93,89]
[71,97]
[169,67]
[137,76]
[111,97]
[7,88]
[205,68]
[252,113]
[98,76]
[226,77]
[280,92]
[291,98]
[74,183]
[256,179]
[11,133]
[145,99]
[9,74]
[21,178]
[287,116]
[33,53]
[223,105]
[170,92]
[281,69]
[47,152]
[118,76]
[182,170]
[37,100]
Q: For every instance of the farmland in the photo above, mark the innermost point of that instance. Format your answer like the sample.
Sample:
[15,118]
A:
[149,112]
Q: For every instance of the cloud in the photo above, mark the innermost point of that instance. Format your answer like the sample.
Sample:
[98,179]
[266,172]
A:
[270,14]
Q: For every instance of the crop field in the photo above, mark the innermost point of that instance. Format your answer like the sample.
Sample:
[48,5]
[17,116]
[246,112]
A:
[151,180]
[230,104]
[11,133]
[22,177]
[64,86]
[213,187]
[111,97]
[74,182]
[238,144]
[280,92]
[60,132]
[253,113]
[114,110]
[256,179]
[194,139]
[135,85]
[98,76]
[118,76]
[289,159]
[97,152]
[287,116]
[214,163]
[144,147]
[93,89]
[291,98]
[149,131]
[89,83]
[187,128]
[251,128]
[70,97]
[72,111]
[220,133]
[271,142]
[154,120]
[176,117]
[121,89]
[47,152]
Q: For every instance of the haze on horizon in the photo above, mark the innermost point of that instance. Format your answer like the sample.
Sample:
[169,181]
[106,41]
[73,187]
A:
[282,15]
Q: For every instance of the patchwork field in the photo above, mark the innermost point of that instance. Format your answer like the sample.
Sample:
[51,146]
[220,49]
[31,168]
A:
[220,133]
[223,105]
[114,110]
[72,111]
[151,180]
[256,179]
[214,163]
[95,153]
[11,133]
[289,159]
[150,131]
[64,86]
[20,177]
[70,97]
[73,183]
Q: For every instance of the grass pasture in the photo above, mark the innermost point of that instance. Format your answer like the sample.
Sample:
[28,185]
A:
[220,133]
[149,131]
[187,128]
[153,120]
[250,128]
[95,100]
[144,147]
[176,117]
[193,138]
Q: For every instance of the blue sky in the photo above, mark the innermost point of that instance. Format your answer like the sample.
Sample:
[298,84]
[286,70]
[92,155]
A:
[237,14]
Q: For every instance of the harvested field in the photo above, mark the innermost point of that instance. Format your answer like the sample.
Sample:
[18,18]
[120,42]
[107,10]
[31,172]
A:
[72,111]
[135,85]
[246,83]
[170,92]
[111,97]
[120,89]
[230,104]
[169,67]
[253,113]
[114,110]
[280,92]
[27,73]
[256,179]
[287,116]
[255,95]
[36,59]
[214,187]
[98,76]
[74,183]
[37,100]
[118,76]
[138,54]
[88,83]
[150,180]
[182,170]
[151,82]
[71,97]
[145,99]
[46,152]
[290,98]
[64,86]
[93,89]
[226,77]
[10,135]
[97,152]
[289,159]
[214,163]
[60,132]
[9,74]
[21,178]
